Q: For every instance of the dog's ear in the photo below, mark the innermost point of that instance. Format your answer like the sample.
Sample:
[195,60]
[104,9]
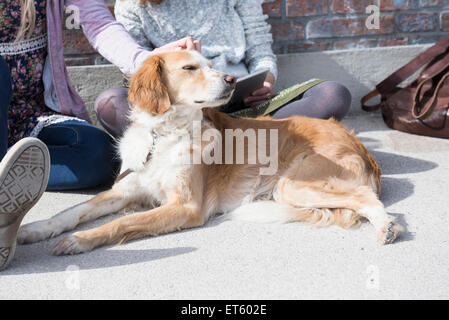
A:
[147,90]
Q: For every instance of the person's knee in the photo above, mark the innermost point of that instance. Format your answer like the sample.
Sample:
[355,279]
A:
[102,150]
[111,108]
[100,155]
[337,97]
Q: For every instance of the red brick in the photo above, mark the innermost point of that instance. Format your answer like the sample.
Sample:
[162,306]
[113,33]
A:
[350,6]
[76,43]
[444,22]
[355,44]
[287,30]
[393,42]
[272,9]
[346,27]
[418,22]
[389,5]
[303,8]
[308,46]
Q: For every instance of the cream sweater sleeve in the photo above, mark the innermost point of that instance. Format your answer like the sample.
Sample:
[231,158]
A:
[258,53]
[128,13]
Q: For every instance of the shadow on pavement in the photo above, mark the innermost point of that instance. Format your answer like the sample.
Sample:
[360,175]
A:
[395,190]
[31,259]
[392,163]
[406,235]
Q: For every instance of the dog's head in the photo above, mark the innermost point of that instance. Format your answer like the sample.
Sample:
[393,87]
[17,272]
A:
[179,78]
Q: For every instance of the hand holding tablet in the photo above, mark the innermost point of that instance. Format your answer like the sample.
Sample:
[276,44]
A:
[245,86]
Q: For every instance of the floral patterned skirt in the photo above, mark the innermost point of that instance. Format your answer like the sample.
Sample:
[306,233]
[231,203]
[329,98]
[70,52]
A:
[24,114]
[26,60]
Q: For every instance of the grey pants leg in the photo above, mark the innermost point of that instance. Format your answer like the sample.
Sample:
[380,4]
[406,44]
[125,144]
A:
[325,100]
[112,109]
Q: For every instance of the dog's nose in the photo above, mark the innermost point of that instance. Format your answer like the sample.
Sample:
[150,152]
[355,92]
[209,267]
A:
[229,79]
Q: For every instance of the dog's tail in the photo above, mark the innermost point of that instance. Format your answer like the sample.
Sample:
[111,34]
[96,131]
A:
[274,212]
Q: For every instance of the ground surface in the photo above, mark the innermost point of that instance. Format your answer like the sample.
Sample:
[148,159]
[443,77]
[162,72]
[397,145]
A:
[242,260]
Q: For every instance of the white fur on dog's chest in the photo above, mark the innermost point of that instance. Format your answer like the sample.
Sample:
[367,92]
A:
[164,172]
[167,141]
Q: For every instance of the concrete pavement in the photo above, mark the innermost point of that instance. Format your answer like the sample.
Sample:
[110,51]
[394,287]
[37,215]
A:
[243,260]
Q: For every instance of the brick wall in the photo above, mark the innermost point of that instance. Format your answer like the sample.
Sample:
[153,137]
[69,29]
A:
[316,25]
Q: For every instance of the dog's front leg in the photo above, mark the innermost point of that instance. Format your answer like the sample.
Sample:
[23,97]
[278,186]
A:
[165,219]
[104,203]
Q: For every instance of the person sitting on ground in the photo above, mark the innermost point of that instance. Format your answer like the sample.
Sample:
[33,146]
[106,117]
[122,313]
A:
[234,35]
[43,121]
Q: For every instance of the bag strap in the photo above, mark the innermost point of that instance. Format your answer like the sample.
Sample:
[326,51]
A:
[391,82]
[367,97]
[421,113]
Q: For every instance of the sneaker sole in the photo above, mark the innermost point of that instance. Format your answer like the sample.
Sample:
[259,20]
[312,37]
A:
[23,179]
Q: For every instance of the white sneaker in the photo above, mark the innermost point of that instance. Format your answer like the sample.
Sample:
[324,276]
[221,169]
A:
[24,173]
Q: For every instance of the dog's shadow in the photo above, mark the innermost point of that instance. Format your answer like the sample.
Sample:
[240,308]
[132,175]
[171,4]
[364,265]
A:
[397,189]
[29,259]
[37,258]
[406,235]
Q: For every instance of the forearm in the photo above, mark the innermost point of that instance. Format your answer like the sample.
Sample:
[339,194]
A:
[108,36]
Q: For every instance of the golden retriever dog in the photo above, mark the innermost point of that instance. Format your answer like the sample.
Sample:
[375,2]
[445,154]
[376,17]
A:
[177,166]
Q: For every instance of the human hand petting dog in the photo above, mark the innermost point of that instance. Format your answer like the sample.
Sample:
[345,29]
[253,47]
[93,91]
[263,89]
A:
[186,43]
[262,94]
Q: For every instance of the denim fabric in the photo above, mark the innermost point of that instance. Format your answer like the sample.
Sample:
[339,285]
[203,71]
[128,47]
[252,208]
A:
[5,98]
[82,156]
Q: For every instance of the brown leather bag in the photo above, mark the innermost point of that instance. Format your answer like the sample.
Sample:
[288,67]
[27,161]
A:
[421,107]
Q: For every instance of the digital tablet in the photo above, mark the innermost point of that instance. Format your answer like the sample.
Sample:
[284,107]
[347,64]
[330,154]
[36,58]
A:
[244,87]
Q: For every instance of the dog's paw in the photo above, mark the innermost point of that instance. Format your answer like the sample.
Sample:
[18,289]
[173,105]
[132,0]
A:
[71,244]
[389,232]
[35,232]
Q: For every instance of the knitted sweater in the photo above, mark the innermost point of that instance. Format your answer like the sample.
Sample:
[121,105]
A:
[234,34]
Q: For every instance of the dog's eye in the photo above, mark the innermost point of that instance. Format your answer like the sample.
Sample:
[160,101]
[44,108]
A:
[189,67]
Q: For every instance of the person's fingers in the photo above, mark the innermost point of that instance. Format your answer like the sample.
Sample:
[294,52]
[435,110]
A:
[189,44]
[254,100]
[261,91]
[182,43]
[197,45]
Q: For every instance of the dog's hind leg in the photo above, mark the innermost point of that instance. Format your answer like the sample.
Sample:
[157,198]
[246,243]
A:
[335,201]
[104,203]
